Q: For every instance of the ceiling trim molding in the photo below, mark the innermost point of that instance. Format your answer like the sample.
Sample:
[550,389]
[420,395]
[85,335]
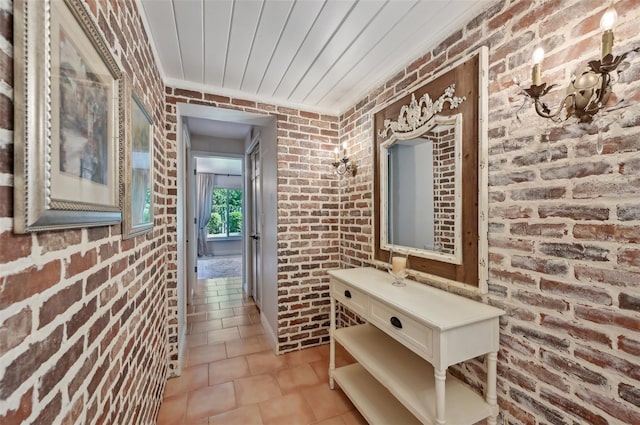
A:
[236,94]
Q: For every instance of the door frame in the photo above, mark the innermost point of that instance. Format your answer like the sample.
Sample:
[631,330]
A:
[251,288]
[266,124]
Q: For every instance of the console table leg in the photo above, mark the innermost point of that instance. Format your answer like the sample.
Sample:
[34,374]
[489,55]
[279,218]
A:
[332,343]
[491,397]
[441,376]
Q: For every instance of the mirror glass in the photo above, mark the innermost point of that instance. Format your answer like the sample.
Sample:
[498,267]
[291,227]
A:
[420,191]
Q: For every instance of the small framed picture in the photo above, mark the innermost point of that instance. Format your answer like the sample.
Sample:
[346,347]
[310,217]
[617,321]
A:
[137,152]
[68,119]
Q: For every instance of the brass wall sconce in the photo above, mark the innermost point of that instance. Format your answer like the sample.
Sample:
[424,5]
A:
[343,165]
[588,93]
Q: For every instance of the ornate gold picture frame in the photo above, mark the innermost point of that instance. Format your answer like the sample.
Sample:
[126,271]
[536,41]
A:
[68,119]
[137,169]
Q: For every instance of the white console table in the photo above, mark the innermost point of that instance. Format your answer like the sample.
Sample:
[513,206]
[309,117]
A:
[414,333]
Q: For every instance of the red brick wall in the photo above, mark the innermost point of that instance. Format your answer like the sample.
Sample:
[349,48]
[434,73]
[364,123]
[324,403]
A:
[563,234]
[444,157]
[82,312]
[307,215]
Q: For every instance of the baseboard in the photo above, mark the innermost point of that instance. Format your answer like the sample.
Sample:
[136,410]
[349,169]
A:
[182,349]
[271,335]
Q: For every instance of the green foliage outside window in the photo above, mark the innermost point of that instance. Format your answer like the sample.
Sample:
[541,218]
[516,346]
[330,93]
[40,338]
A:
[226,213]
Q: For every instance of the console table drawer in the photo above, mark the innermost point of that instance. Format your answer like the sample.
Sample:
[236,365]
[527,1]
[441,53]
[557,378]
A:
[407,331]
[351,298]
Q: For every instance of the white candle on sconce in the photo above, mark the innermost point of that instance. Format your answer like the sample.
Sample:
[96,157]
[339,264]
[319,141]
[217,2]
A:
[607,22]
[336,152]
[344,149]
[536,72]
[398,264]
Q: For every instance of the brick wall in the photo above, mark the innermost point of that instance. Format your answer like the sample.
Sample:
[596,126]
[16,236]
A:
[307,215]
[563,234]
[444,157]
[82,312]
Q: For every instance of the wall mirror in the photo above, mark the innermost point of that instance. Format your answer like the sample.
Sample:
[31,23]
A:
[430,174]
[421,176]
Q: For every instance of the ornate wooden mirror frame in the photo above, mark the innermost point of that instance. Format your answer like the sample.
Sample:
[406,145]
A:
[470,79]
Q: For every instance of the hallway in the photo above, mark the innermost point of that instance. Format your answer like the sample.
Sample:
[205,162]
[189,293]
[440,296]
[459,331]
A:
[231,375]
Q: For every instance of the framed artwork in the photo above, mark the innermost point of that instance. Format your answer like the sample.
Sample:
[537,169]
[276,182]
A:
[137,170]
[68,119]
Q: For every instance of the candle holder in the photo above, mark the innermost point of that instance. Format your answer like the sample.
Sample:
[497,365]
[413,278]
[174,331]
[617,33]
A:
[588,93]
[343,165]
[397,267]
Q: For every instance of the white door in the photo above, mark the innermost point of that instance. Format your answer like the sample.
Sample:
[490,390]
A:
[255,254]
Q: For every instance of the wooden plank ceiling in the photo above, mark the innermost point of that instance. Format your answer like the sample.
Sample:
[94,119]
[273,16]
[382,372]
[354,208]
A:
[321,55]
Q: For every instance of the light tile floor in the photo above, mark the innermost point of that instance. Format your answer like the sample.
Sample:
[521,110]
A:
[232,376]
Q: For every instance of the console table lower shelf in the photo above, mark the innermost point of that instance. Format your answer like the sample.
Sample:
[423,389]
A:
[390,384]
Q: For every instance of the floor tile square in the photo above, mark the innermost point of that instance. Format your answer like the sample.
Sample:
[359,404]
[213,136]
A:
[223,335]
[206,326]
[336,420]
[210,401]
[256,389]
[173,410]
[303,356]
[190,379]
[353,417]
[287,410]
[229,322]
[251,330]
[196,340]
[220,314]
[266,362]
[205,354]
[245,415]
[244,346]
[297,378]
[326,402]
[227,370]
[321,368]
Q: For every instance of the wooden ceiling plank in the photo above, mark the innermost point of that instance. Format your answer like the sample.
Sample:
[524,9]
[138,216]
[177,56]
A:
[303,16]
[188,15]
[274,20]
[246,17]
[160,16]
[332,18]
[358,24]
[217,18]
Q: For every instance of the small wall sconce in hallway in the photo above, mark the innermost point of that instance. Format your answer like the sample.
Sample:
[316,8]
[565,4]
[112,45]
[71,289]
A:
[587,93]
[343,165]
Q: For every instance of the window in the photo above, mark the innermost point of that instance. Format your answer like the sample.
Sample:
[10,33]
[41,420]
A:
[226,213]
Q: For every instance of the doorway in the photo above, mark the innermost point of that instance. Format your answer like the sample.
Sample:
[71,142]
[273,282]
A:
[264,185]
[220,211]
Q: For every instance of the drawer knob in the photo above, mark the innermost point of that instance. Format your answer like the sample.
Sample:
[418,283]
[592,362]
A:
[347,293]
[396,322]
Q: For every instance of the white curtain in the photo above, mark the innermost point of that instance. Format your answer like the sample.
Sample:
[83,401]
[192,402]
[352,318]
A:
[205,194]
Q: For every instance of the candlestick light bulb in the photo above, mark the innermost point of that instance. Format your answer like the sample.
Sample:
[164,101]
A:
[608,19]
[538,56]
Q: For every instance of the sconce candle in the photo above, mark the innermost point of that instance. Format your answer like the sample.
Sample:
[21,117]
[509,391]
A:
[607,22]
[336,156]
[398,264]
[536,73]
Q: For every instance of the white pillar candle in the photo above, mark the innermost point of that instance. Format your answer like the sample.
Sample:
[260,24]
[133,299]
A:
[398,264]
